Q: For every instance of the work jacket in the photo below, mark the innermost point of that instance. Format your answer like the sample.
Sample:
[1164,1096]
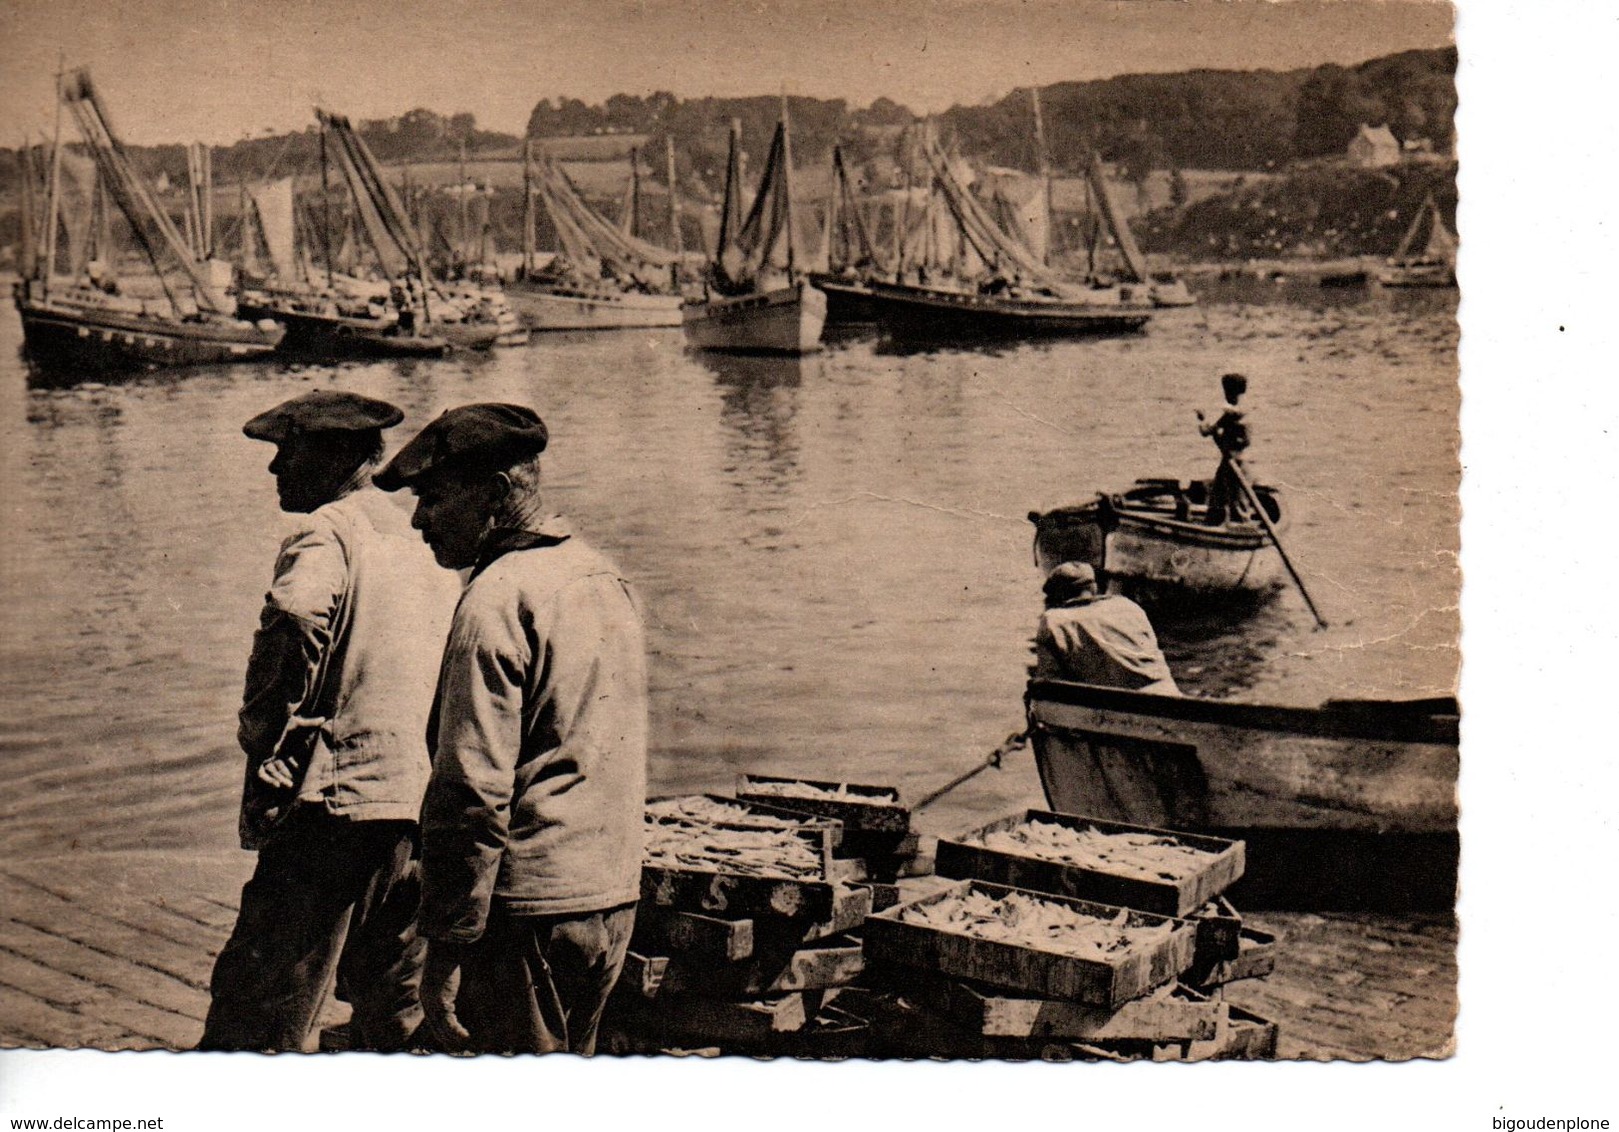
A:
[344,663]
[1104,640]
[539,745]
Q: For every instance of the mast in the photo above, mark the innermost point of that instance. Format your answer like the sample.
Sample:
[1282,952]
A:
[528,207]
[676,241]
[902,215]
[325,207]
[461,196]
[54,192]
[1045,171]
[630,223]
[787,190]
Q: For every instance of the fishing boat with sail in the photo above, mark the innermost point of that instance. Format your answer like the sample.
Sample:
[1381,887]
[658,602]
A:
[1435,264]
[1349,803]
[603,276]
[387,303]
[80,323]
[961,274]
[848,258]
[1155,543]
[757,298]
[327,313]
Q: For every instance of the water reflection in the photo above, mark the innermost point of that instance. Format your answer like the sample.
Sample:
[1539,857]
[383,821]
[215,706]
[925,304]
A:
[759,398]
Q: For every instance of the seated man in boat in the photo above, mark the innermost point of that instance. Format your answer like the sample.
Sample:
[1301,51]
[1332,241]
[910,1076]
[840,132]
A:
[1227,498]
[1095,638]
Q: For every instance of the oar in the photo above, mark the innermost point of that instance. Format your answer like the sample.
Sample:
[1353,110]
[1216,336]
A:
[1259,509]
[1013,742]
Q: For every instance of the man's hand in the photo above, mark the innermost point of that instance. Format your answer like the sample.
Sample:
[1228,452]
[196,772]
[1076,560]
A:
[278,772]
[441,982]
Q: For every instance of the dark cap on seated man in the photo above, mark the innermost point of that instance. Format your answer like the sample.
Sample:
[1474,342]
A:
[468,439]
[325,442]
[1070,583]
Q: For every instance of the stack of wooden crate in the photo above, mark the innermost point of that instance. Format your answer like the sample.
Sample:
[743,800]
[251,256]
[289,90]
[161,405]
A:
[731,955]
[959,995]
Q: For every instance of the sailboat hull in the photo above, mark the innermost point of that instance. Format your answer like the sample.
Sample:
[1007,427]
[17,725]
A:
[314,335]
[957,313]
[81,336]
[1417,275]
[565,308]
[786,321]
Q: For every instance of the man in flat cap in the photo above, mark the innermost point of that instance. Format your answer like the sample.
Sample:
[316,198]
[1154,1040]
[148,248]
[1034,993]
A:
[1096,638]
[532,824]
[333,722]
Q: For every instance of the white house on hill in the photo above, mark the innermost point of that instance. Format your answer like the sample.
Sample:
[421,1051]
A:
[1373,147]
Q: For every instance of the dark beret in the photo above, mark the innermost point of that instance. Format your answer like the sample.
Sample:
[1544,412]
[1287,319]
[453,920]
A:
[468,437]
[1069,581]
[324,410]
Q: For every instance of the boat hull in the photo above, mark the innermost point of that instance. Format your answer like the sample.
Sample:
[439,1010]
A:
[951,313]
[848,302]
[1148,553]
[1420,275]
[543,308]
[1325,796]
[785,321]
[78,337]
[314,335]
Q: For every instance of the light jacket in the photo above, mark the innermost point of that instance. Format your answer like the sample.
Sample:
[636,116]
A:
[539,759]
[1105,640]
[356,588]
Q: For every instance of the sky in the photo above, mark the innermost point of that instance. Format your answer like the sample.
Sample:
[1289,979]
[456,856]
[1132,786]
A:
[220,70]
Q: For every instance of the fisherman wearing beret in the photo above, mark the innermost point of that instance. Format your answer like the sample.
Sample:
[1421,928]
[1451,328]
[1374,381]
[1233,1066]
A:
[1095,638]
[333,722]
[532,825]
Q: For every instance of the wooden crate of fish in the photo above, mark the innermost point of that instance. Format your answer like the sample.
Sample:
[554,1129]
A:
[1154,870]
[1035,944]
[715,808]
[1173,1012]
[1255,957]
[862,809]
[736,872]
[825,964]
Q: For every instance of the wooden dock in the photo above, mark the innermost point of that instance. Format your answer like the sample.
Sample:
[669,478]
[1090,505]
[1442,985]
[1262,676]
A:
[113,951]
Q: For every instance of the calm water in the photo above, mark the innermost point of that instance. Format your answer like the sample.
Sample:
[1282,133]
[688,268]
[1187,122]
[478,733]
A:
[834,553]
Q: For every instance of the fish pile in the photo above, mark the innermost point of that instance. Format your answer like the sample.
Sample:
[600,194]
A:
[1026,921]
[839,793]
[778,854]
[702,809]
[1147,856]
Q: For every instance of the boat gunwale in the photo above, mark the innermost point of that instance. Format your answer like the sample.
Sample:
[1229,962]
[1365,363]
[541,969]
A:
[1408,721]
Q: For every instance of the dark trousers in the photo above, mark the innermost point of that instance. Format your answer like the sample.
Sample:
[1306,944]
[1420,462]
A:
[539,984]
[330,901]
[1228,500]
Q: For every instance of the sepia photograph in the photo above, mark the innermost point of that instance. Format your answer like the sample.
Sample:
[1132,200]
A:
[699,533]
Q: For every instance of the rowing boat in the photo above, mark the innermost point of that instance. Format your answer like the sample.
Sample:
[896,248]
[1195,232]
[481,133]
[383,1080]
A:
[1350,803]
[1155,544]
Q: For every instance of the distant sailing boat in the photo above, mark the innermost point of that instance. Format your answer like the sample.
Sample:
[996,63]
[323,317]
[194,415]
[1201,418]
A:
[332,316]
[961,274]
[848,256]
[756,296]
[91,323]
[604,276]
[1435,264]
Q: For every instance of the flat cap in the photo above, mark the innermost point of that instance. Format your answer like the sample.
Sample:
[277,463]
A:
[488,436]
[324,410]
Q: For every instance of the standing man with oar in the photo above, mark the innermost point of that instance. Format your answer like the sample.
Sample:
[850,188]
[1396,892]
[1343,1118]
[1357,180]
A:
[1232,497]
[333,723]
